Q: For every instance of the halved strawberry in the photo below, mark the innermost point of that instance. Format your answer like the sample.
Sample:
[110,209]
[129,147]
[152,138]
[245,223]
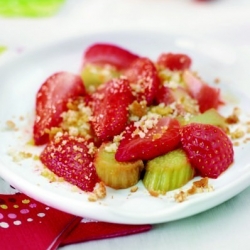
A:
[208,147]
[51,101]
[69,157]
[144,79]
[174,61]
[102,53]
[207,96]
[110,108]
[148,139]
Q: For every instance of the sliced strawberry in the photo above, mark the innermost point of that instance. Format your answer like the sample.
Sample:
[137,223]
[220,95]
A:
[69,157]
[110,108]
[51,101]
[144,79]
[174,61]
[207,96]
[208,147]
[102,53]
[148,139]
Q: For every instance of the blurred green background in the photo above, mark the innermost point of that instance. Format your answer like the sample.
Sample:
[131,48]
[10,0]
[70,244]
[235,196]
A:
[29,8]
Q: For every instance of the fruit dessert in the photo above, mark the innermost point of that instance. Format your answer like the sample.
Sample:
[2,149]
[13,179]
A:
[125,118]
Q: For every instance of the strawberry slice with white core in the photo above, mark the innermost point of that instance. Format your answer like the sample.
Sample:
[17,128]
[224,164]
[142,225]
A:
[148,138]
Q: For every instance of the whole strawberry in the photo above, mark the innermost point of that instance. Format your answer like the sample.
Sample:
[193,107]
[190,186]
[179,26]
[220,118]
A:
[208,147]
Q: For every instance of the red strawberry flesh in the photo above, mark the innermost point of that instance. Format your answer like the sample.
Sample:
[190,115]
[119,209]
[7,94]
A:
[161,138]
[102,53]
[208,147]
[51,101]
[110,108]
[174,61]
[144,79]
[69,157]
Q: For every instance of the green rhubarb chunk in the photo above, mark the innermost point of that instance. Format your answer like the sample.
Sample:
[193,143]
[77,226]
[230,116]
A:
[94,75]
[168,172]
[211,116]
[29,8]
[117,175]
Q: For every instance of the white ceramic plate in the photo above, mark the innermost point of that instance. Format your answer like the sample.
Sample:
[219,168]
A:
[20,80]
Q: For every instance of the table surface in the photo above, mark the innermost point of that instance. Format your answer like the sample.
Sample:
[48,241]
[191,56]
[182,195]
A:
[226,226]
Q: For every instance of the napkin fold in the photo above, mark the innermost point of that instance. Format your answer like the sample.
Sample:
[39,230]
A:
[28,224]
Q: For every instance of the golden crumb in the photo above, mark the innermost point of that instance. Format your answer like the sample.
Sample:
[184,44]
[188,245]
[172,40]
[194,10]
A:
[238,133]
[92,197]
[237,111]
[156,136]
[31,142]
[217,80]
[138,109]
[19,156]
[25,155]
[236,144]
[162,110]
[75,189]
[11,125]
[76,121]
[49,175]
[53,132]
[153,193]
[202,183]
[192,190]
[246,140]
[248,129]
[199,186]
[100,190]
[234,117]
[111,147]
[133,189]
[36,157]
[181,196]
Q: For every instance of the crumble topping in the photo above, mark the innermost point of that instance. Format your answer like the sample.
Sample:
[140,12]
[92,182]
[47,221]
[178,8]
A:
[137,110]
[197,187]
[98,193]
[11,125]
[145,123]
[77,119]
[133,189]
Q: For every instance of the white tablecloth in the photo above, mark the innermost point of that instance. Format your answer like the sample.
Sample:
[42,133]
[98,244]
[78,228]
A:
[224,227]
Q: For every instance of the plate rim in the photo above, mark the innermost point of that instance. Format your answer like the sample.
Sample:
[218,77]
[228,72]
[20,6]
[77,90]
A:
[244,180]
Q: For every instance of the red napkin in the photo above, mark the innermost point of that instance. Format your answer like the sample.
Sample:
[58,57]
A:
[28,224]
